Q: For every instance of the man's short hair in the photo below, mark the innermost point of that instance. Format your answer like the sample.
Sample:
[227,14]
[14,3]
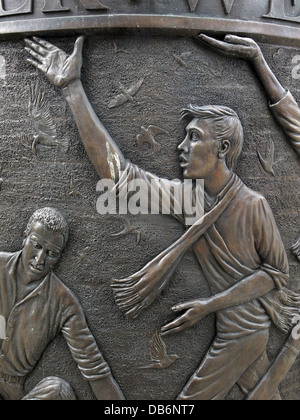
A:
[296,248]
[226,125]
[54,220]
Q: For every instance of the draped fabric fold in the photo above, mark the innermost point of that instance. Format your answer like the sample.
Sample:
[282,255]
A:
[137,292]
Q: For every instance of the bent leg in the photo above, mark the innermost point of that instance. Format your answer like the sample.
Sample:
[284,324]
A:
[51,389]
[223,366]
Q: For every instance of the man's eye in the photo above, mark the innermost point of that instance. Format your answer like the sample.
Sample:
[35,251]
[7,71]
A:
[37,245]
[52,254]
[194,137]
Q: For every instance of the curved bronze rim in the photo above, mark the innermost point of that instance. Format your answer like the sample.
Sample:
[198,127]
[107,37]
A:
[180,25]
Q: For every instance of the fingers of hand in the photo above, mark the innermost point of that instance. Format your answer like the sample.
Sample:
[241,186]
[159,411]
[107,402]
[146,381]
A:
[37,65]
[233,39]
[36,48]
[177,330]
[47,46]
[174,325]
[220,46]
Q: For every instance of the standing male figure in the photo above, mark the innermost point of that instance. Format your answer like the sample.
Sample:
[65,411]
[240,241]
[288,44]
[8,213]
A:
[237,242]
[35,306]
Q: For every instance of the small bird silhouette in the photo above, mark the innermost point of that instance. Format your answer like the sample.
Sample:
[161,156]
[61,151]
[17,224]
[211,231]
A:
[73,189]
[127,95]
[147,136]
[117,50]
[45,128]
[128,229]
[179,60]
[268,162]
[159,355]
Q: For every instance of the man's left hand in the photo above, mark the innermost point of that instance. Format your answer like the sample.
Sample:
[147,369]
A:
[195,311]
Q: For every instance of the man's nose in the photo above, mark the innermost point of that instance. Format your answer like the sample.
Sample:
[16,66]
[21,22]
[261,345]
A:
[40,257]
[184,146]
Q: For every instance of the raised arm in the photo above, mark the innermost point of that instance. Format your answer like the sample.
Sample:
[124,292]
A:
[64,71]
[247,49]
[284,107]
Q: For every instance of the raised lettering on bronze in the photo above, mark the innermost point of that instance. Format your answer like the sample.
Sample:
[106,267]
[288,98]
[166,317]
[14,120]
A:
[277,11]
[54,6]
[22,10]
[92,5]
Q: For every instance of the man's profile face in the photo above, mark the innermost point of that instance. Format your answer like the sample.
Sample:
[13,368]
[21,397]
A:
[42,251]
[199,150]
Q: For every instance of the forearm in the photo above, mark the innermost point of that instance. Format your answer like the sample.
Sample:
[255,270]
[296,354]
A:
[252,287]
[103,152]
[107,389]
[273,87]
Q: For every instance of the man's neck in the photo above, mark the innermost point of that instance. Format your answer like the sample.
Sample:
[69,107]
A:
[24,286]
[216,182]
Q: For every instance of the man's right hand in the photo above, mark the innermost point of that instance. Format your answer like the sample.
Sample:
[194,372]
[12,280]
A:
[60,68]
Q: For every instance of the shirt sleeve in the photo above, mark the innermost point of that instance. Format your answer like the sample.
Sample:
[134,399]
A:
[269,244]
[160,196]
[287,113]
[83,345]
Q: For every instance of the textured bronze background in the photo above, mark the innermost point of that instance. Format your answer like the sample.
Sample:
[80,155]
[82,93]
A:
[68,181]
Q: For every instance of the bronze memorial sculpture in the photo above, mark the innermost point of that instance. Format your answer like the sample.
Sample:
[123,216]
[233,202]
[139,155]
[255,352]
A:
[122,113]
[245,265]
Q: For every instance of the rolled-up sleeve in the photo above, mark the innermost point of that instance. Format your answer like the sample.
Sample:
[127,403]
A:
[287,113]
[182,200]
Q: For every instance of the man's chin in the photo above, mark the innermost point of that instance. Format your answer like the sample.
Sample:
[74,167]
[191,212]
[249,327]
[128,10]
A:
[187,174]
[35,275]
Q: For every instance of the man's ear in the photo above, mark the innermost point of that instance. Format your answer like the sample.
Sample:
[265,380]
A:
[224,149]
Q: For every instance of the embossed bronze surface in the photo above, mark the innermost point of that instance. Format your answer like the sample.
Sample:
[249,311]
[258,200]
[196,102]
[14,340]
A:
[108,107]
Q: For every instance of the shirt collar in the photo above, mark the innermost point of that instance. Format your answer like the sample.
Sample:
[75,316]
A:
[234,182]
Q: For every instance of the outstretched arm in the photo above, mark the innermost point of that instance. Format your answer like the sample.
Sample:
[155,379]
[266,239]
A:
[284,107]
[252,287]
[247,49]
[64,71]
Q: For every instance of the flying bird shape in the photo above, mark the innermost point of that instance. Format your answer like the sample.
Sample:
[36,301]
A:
[44,126]
[127,95]
[159,355]
[179,60]
[269,161]
[127,230]
[147,136]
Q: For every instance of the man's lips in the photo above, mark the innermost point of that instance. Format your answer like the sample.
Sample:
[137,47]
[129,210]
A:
[183,161]
[35,268]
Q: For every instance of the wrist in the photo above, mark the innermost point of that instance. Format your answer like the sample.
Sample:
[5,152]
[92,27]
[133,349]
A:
[71,87]
[258,59]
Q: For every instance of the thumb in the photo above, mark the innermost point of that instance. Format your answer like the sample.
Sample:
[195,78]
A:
[79,46]
[238,40]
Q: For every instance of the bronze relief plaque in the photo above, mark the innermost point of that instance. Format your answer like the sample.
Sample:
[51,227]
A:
[150,200]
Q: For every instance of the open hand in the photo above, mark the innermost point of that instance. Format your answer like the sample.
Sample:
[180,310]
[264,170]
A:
[234,46]
[195,311]
[60,68]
